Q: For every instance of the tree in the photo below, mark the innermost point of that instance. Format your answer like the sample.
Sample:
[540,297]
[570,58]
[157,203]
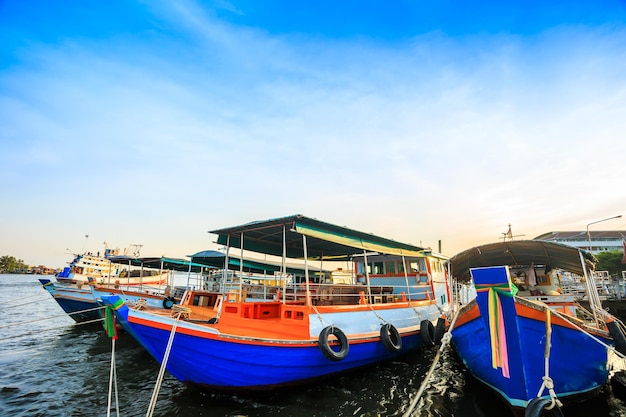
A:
[611,261]
[10,264]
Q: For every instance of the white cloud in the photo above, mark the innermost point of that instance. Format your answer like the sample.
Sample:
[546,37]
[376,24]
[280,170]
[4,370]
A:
[442,138]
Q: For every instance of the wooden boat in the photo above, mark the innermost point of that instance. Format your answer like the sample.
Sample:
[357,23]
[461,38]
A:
[310,325]
[533,345]
[87,267]
[77,301]
[82,301]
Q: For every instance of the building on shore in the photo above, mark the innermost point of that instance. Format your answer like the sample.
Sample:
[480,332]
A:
[595,241]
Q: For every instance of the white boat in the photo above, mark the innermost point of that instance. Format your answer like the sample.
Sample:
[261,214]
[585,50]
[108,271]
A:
[81,301]
[89,268]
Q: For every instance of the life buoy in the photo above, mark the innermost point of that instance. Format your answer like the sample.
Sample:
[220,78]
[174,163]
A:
[168,302]
[538,407]
[390,337]
[617,335]
[333,355]
[440,329]
[427,333]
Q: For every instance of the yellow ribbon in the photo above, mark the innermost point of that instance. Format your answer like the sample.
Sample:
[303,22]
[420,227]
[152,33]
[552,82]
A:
[499,352]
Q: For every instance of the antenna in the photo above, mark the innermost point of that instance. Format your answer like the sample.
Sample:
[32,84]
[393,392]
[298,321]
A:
[509,235]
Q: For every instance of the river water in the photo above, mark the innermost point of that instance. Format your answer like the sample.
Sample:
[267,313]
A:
[50,366]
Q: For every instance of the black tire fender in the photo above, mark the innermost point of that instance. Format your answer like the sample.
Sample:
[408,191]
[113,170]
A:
[390,337]
[327,350]
[538,407]
[440,329]
[617,335]
[427,333]
[168,302]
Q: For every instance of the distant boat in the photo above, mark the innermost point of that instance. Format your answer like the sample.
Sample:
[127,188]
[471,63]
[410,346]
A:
[87,267]
[81,301]
[521,336]
[292,327]
[77,302]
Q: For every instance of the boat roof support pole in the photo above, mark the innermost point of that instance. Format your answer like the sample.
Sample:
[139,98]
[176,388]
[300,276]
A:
[241,270]
[223,285]
[283,272]
[367,276]
[167,282]
[306,271]
[592,292]
[406,277]
[188,272]
[226,262]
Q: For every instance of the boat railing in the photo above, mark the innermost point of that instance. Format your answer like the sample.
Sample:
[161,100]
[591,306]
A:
[327,293]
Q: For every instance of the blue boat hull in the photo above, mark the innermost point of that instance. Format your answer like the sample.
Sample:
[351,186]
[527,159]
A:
[577,361]
[222,362]
[79,304]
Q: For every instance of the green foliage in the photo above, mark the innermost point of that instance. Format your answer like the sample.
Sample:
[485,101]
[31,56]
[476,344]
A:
[611,261]
[10,264]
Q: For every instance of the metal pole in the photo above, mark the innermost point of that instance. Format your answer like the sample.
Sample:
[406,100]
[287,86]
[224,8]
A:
[241,270]
[283,267]
[599,221]
[306,271]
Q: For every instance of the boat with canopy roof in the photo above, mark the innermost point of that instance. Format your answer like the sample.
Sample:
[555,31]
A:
[356,299]
[523,336]
[81,301]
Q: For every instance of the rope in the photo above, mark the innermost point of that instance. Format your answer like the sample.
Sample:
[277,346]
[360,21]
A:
[141,304]
[50,317]
[445,341]
[50,328]
[382,320]
[113,377]
[180,311]
[573,323]
[547,381]
[166,356]
[23,304]
[319,316]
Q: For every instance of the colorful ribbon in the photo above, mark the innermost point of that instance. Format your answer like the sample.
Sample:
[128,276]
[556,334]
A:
[499,352]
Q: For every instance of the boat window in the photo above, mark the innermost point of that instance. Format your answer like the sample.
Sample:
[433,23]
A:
[422,263]
[378,268]
[400,267]
[418,265]
[390,267]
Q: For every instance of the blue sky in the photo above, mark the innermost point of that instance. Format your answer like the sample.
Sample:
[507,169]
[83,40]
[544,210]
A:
[153,122]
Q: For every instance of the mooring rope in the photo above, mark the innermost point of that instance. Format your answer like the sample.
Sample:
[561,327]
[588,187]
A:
[52,317]
[548,383]
[29,302]
[445,341]
[180,310]
[113,378]
[141,304]
[50,328]
[577,326]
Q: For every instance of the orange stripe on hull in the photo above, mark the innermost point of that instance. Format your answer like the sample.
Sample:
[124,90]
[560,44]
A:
[529,312]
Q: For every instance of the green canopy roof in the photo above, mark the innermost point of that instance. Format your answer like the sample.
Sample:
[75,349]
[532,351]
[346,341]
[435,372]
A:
[216,259]
[324,240]
[170,264]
